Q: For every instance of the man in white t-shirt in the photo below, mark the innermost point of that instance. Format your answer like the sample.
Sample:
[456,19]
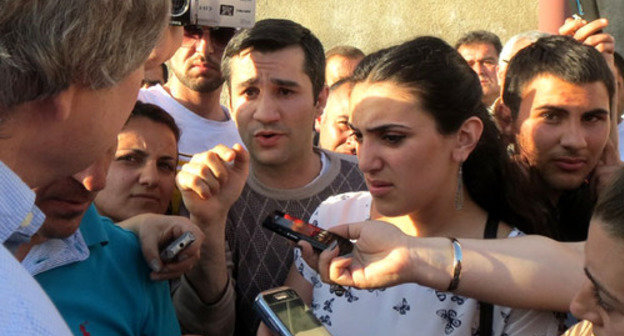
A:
[192,93]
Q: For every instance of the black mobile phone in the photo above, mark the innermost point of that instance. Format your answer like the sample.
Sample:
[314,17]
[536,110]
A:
[175,247]
[296,229]
[283,311]
[586,10]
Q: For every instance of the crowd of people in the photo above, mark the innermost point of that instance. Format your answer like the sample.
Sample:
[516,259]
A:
[482,181]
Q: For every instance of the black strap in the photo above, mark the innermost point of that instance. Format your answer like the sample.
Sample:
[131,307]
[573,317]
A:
[486,310]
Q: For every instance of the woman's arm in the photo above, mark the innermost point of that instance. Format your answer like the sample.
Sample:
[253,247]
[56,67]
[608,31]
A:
[530,272]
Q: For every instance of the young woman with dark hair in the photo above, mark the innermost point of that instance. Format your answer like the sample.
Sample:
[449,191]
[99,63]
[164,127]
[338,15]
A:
[435,166]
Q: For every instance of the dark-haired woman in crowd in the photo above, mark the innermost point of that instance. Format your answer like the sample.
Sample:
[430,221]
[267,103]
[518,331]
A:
[435,166]
[141,178]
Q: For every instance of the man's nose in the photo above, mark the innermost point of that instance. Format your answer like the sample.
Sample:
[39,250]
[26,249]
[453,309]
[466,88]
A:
[573,137]
[204,45]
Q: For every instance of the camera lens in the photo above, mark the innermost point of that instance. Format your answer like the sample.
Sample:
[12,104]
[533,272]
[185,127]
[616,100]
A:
[179,7]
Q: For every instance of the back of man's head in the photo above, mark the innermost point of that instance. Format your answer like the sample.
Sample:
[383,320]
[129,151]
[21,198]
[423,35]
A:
[610,206]
[276,34]
[345,51]
[480,37]
[517,42]
[559,56]
[46,46]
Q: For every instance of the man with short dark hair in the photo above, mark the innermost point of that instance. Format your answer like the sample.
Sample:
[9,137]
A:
[275,74]
[340,63]
[193,90]
[558,91]
[333,124]
[480,49]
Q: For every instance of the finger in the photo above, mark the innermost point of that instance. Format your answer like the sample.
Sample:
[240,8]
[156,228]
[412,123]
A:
[570,26]
[340,272]
[309,255]
[151,244]
[241,162]
[225,153]
[610,156]
[218,167]
[349,231]
[324,261]
[589,29]
[204,188]
[151,253]
[604,43]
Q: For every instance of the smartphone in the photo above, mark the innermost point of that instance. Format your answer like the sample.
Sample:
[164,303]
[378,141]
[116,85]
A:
[296,230]
[173,249]
[284,312]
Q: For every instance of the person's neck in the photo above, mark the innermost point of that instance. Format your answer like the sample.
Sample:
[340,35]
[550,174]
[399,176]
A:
[441,219]
[292,175]
[204,104]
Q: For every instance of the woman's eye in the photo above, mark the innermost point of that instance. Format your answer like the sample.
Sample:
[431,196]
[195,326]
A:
[393,138]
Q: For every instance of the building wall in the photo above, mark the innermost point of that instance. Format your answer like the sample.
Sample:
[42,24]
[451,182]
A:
[375,24]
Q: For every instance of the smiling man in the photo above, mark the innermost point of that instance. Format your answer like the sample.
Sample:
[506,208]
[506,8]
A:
[558,92]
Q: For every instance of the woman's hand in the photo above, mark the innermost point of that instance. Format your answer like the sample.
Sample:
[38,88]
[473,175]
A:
[380,258]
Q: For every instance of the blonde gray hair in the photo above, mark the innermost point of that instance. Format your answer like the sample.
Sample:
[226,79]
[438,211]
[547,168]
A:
[48,45]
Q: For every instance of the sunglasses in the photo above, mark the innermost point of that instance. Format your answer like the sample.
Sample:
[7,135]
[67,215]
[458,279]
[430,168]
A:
[218,36]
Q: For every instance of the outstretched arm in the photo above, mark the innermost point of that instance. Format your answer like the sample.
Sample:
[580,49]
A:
[526,272]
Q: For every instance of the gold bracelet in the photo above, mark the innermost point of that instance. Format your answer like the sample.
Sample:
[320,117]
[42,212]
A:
[457,264]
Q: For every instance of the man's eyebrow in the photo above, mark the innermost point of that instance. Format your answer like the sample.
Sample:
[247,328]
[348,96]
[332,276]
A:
[597,111]
[600,287]
[250,81]
[284,82]
[553,108]
[135,151]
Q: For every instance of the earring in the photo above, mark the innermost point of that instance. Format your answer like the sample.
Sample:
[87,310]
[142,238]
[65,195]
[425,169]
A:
[459,194]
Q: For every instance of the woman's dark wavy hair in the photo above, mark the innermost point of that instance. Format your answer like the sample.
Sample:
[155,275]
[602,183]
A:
[450,91]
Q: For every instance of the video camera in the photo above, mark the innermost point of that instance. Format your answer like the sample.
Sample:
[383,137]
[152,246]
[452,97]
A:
[214,13]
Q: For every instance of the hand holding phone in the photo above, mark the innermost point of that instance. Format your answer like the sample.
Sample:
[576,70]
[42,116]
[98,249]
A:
[296,229]
[284,312]
[175,247]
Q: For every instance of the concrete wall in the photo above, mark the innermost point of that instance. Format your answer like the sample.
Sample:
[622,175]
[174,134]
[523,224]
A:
[374,24]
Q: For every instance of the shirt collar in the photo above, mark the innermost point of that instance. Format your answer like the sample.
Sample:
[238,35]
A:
[92,228]
[19,217]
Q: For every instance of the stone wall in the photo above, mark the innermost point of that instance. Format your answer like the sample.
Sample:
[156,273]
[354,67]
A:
[371,25]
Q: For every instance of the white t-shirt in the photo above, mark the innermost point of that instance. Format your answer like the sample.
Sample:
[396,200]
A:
[408,309]
[198,134]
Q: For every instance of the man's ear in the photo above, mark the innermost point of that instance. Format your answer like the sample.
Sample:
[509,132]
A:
[58,107]
[502,117]
[468,136]
[321,101]
[317,123]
